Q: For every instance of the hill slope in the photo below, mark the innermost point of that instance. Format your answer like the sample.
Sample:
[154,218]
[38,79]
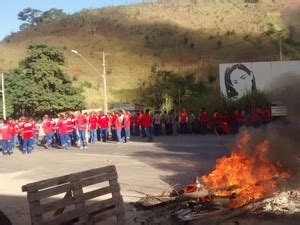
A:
[184,36]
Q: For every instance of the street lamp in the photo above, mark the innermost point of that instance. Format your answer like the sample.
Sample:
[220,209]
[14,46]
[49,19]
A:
[103,74]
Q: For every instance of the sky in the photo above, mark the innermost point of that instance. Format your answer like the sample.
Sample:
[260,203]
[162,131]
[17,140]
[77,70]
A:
[10,9]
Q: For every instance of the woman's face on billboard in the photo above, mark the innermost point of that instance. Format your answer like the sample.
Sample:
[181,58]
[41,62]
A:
[241,81]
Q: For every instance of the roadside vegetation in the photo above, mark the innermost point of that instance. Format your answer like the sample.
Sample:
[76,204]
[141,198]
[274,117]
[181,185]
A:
[180,38]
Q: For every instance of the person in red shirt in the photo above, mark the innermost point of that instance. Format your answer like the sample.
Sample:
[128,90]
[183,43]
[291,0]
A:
[6,134]
[36,132]
[137,124]
[235,121]
[118,126]
[225,128]
[217,121]
[48,130]
[71,129]
[104,124]
[93,127]
[241,117]
[20,124]
[183,119]
[112,120]
[126,122]
[27,131]
[225,123]
[148,125]
[256,116]
[142,122]
[203,121]
[62,127]
[266,115]
[12,124]
[81,124]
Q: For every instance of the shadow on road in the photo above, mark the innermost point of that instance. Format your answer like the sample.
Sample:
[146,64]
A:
[185,156]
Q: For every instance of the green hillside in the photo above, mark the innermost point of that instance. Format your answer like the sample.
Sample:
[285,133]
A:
[182,36]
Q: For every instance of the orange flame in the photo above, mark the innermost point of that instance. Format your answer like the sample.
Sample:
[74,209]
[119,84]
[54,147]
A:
[242,176]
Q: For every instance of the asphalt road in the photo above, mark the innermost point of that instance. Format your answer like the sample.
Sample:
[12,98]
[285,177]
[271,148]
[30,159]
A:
[143,168]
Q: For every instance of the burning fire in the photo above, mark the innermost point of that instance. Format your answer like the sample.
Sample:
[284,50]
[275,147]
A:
[242,176]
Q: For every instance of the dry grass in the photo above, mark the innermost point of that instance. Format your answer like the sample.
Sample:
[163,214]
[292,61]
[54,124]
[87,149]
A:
[139,36]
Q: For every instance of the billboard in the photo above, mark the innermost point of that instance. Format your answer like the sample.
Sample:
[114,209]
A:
[238,79]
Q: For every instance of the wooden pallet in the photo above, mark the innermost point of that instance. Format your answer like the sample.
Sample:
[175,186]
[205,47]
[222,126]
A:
[73,208]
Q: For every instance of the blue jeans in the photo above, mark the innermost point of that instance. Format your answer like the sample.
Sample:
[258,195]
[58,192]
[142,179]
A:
[27,145]
[6,146]
[93,133]
[48,138]
[64,140]
[157,129]
[104,134]
[119,135]
[127,134]
[143,131]
[99,134]
[203,128]
[72,138]
[183,128]
[148,131]
[82,138]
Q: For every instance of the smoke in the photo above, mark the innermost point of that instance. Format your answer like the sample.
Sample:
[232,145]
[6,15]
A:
[283,133]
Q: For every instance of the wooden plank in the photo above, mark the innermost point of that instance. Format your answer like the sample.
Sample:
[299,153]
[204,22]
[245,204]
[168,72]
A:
[67,187]
[60,210]
[33,196]
[67,178]
[98,179]
[74,200]
[80,203]
[79,212]
[106,214]
[38,217]
[118,200]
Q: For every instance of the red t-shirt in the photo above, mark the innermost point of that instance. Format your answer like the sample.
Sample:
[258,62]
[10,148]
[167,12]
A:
[203,117]
[93,122]
[47,125]
[118,123]
[147,120]
[256,115]
[62,126]
[21,124]
[126,121]
[266,115]
[27,130]
[236,116]
[137,120]
[103,121]
[225,118]
[217,118]
[70,124]
[183,117]
[142,119]
[6,131]
[12,124]
[81,122]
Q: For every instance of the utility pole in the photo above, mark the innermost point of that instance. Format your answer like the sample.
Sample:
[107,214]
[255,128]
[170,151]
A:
[3,96]
[280,46]
[104,82]
[103,74]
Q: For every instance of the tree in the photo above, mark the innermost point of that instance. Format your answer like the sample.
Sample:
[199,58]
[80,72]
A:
[39,86]
[51,14]
[30,16]
[166,87]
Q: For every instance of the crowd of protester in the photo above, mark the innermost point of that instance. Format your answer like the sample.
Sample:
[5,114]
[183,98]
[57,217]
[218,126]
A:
[78,129]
